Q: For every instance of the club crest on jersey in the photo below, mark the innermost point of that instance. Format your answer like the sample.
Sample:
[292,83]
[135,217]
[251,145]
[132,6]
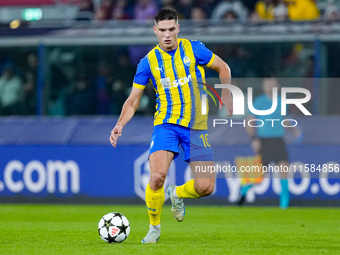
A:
[186,61]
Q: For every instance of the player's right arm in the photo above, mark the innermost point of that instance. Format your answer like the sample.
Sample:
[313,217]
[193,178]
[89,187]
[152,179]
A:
[129,108]
[132,103]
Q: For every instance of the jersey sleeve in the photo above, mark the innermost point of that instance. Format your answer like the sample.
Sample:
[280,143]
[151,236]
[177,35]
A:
[203,55]
[143,74]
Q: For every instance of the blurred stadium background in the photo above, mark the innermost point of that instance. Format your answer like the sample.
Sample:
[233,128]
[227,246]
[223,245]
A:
[67,67]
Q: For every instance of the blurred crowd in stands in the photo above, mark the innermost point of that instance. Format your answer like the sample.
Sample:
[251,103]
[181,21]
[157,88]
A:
[97,80]
[99,85]
[18,87]
[230,10]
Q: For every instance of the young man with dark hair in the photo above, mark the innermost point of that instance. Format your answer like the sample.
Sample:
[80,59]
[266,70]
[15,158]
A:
[174,67]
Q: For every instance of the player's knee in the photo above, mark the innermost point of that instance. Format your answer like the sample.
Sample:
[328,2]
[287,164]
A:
[208,191]
[157,181]
[205,189]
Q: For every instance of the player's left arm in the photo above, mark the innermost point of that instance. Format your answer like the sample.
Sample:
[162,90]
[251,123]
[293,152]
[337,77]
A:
[129,108]
[224,72]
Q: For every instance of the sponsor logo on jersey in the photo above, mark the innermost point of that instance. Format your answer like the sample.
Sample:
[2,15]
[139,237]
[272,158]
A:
[167,83]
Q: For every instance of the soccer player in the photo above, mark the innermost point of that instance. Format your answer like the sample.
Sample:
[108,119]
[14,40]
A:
[174,68]
[267,140]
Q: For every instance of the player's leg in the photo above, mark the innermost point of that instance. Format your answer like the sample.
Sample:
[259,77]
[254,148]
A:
[200,156]
[284,195]
[198,153]
[163,149]
[154,195]
[203,182]
[202,185]
[281,160]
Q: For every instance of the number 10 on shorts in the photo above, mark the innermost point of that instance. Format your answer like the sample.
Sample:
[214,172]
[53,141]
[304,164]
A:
[205,140]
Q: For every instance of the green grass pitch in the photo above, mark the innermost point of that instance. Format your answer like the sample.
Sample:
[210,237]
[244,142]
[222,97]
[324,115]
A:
[72,229]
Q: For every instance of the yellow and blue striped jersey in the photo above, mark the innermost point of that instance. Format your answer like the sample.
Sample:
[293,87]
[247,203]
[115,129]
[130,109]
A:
[177,78]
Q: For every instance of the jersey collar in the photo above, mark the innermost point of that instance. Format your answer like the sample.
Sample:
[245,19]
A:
[171,52]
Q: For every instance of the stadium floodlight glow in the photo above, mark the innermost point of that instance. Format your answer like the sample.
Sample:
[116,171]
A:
[32,14]
[14,24]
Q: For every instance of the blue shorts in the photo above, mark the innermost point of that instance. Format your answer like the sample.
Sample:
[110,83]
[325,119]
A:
[195,143]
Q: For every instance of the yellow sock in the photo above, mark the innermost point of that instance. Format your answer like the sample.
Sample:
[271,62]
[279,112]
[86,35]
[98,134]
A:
[187,190]
[154,202]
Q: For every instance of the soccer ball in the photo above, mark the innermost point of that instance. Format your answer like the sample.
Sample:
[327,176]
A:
[114,227]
